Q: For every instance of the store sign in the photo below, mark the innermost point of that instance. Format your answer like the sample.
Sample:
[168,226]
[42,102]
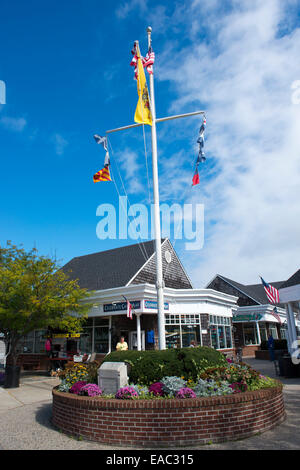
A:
[153,304]
[121,306]
[249,317]
[67,335]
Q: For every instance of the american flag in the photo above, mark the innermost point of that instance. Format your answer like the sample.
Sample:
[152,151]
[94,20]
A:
[271,292]
[275,314]
[148,61]
[129,308]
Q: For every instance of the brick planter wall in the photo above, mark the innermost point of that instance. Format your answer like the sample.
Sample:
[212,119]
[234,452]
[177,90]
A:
[167,423]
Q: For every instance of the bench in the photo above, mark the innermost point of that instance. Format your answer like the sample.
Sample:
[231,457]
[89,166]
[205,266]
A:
[33,364]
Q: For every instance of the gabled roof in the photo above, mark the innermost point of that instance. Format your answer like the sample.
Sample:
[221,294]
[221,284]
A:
[254,291]
[111,268]
[292,281]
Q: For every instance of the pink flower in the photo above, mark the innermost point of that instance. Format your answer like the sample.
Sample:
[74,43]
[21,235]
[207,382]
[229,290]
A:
[126,393]
[90,390]
[185,392]
[157,389]
[77,386]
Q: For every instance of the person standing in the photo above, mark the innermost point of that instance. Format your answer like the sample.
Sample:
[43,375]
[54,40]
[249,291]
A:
[48,347]
[271,347]
[122,345]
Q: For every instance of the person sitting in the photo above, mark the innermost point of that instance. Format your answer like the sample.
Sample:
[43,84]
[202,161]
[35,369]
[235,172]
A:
[193,344]
[122,345]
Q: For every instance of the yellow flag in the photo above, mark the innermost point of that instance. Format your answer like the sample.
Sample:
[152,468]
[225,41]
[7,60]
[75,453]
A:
[142,112]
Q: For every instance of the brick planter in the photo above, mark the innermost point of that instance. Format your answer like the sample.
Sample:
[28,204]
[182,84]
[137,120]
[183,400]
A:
[167,423]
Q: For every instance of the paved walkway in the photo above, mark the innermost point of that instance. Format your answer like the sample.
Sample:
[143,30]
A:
[25,416]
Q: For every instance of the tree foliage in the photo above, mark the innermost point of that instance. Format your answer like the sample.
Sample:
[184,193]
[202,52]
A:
[36,294]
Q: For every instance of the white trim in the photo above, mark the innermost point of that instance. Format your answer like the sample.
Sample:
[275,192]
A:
[289,294]
[139,270]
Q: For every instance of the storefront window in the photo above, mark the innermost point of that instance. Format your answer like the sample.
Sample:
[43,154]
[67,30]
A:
[221,337]
[182,329]
[263,332]
[220,332]
[101,340]
[86,341]
[214,337]
[190,333]
[250,336]
[273,330]
[283,332]
[99,321]
[26,345]
[34,342]
[228,337]
[173,336]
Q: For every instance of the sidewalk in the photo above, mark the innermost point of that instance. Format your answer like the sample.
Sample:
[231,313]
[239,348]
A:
[33,389]
[25,415]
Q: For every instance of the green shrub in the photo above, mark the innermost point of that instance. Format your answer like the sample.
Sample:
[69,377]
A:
[147,367]
[278,344]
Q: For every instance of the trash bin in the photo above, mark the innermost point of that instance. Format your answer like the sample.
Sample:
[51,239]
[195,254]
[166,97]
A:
[12,377]
[281,366]
[289,369]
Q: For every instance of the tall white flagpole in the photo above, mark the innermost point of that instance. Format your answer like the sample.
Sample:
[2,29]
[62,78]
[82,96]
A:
[159,271]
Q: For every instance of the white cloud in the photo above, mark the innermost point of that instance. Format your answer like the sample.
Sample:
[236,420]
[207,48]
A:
[242,76]
[131,6]
[13,124]
[127,172]
[59,143]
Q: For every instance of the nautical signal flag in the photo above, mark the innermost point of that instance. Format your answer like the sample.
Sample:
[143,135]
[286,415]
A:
[102,175]
[196,178]
[272,292]
[142,112]
[101,140]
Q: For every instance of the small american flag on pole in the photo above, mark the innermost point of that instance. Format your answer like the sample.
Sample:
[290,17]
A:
[129,308]
[271,292]
[275,314]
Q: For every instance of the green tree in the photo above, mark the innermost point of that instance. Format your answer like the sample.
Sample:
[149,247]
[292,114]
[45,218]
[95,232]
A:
[36,294]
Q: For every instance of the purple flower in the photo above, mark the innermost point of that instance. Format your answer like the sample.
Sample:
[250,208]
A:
[157,389]
[126,393]
[77,386]
[90,390]
[185,392]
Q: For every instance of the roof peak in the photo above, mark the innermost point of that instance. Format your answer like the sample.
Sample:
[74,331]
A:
[119,248]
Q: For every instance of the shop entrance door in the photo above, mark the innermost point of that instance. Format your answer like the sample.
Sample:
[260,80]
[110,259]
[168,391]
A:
[133,340]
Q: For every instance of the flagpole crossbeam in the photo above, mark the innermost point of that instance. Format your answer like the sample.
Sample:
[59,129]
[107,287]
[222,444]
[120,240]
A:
[167,118]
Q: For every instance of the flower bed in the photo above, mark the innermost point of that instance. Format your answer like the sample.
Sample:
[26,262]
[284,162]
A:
[225,402]
[174,422]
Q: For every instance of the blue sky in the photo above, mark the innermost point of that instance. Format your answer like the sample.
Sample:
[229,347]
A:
[67,74]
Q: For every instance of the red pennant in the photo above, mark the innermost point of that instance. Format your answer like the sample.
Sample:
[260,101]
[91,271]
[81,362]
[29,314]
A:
[196,178]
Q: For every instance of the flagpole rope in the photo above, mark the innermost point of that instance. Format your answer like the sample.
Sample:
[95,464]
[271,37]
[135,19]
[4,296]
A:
[147,170]
[141,244]
[144,253]
[148,179]
[189,188]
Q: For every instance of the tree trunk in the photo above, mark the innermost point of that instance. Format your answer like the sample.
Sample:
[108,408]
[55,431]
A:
[13,349]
